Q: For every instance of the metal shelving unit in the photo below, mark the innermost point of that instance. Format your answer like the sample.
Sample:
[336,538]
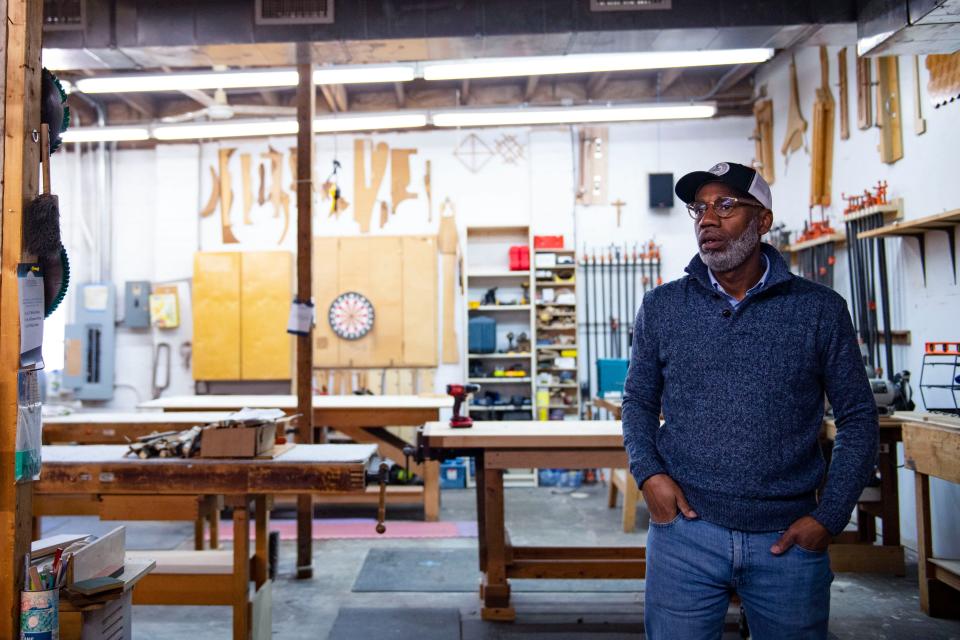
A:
[557,387]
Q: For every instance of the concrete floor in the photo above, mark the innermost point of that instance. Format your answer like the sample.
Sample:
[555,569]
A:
[863,607]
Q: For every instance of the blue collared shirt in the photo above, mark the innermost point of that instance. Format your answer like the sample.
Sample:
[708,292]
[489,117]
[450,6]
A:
[733,301]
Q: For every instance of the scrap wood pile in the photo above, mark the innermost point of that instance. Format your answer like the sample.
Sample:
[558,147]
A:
[187,443]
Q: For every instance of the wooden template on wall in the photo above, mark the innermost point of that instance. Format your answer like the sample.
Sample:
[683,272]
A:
[398,274]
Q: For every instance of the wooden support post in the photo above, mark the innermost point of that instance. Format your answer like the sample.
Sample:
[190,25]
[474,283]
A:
[241,567]
[261,558]
[495,588]
[19,157]
[306,107]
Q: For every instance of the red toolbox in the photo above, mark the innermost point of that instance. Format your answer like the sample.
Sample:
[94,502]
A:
[548,242]
[520,258]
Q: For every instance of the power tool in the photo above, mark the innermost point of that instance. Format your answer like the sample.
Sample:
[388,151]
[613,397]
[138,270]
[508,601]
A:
[460,393]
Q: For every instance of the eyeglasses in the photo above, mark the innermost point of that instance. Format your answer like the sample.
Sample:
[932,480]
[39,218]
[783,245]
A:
[723,207]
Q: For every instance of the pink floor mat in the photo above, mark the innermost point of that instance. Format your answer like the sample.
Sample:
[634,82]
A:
[359,528]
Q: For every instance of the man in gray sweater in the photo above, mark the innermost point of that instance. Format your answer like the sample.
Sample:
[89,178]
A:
[738,355]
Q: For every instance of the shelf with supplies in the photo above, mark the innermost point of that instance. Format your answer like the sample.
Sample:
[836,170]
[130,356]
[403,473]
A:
[838,237]
[500,307]
[500,356]
[946,222]
[500,328]
[497,273]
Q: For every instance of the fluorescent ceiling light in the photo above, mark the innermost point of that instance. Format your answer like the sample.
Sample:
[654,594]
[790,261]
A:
[370,122]
[248,128]
[588,63]
[128,83]
[571,115]
[264,78]
[105,134]
[366,73]
[229,129]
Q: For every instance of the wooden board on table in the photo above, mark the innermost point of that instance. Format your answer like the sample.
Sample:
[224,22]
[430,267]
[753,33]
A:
[216,316]
[234,402]
[277,451]
[932,448]
[574,434]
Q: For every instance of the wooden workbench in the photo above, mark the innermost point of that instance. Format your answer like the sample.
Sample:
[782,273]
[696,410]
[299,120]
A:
[103,470]
[119,427]
[931,447]
[360,418]
[857,552]
[498,446]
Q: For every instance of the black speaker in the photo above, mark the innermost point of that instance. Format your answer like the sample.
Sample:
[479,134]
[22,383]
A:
[661,190]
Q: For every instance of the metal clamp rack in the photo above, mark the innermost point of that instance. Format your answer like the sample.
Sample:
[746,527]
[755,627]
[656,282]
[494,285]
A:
[941,354]
[615,280]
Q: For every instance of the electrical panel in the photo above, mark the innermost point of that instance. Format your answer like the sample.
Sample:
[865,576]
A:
[90,344]
[661,190]
[136,304]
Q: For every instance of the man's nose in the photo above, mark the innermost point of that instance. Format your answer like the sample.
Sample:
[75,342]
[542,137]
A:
[708,219]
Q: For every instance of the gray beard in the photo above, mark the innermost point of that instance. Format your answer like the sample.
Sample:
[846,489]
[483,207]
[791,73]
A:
[736,252]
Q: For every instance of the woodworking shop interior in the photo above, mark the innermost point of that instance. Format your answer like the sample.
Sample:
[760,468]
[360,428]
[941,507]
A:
[336,293]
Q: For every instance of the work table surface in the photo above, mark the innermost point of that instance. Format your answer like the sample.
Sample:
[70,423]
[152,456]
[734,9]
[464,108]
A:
[289,402]
[573,434]
[306,468]
[181,418]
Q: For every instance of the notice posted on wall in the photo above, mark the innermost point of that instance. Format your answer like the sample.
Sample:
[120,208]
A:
[29,427]
[30,295]
[302,317]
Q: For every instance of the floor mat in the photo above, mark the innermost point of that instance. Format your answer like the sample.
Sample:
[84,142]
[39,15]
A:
[455,570]
[360,528]
[396,624]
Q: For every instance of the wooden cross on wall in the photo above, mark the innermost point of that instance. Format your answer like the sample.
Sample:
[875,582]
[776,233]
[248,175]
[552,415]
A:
[618,204]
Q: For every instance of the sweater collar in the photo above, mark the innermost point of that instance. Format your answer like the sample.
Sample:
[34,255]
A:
[779,272]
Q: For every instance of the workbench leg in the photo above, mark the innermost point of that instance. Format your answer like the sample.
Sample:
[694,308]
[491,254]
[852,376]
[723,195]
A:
[431,490]
[936,598]
[241,568]
[213,522]
[495,588]
[889,491]
[261,538]
[631,496]
[481,517]
[198,536]
[304,537]
[612,490]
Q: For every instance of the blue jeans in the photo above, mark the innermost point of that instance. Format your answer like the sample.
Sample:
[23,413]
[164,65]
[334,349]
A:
[693,567]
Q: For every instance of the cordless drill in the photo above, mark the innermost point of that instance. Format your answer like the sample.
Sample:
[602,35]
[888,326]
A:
[460,393]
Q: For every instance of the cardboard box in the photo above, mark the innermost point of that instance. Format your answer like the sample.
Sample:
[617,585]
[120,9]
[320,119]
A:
[238,441]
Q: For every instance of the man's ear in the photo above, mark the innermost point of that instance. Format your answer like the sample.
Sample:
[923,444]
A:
[766,221]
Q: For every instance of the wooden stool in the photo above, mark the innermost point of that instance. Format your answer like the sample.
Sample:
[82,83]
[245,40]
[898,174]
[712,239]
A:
[622,481]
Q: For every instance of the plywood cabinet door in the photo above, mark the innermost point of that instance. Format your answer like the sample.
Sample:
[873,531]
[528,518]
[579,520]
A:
[216,316]
[265,294]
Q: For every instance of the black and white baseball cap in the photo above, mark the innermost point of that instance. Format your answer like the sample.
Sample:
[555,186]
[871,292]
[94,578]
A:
[734,175]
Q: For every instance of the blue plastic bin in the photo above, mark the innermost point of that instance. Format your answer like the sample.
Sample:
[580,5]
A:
[453,474]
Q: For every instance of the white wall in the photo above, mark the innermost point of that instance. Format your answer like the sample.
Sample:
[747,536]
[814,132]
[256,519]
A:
[924,178]
[157,195]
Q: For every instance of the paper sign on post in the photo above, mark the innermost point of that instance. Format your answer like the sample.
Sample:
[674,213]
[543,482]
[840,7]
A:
[30,296]
[302,317]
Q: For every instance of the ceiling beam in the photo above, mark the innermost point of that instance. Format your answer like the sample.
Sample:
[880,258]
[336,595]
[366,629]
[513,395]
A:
[140,103]
[596,84]
[532,82]
[668,77]
[327,92]
[401,98]
[340,95]
[270,98]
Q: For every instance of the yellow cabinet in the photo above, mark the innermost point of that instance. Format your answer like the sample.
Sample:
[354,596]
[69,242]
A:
[241,301]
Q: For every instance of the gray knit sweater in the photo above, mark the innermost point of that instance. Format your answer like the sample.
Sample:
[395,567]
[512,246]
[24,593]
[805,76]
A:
[742,394]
